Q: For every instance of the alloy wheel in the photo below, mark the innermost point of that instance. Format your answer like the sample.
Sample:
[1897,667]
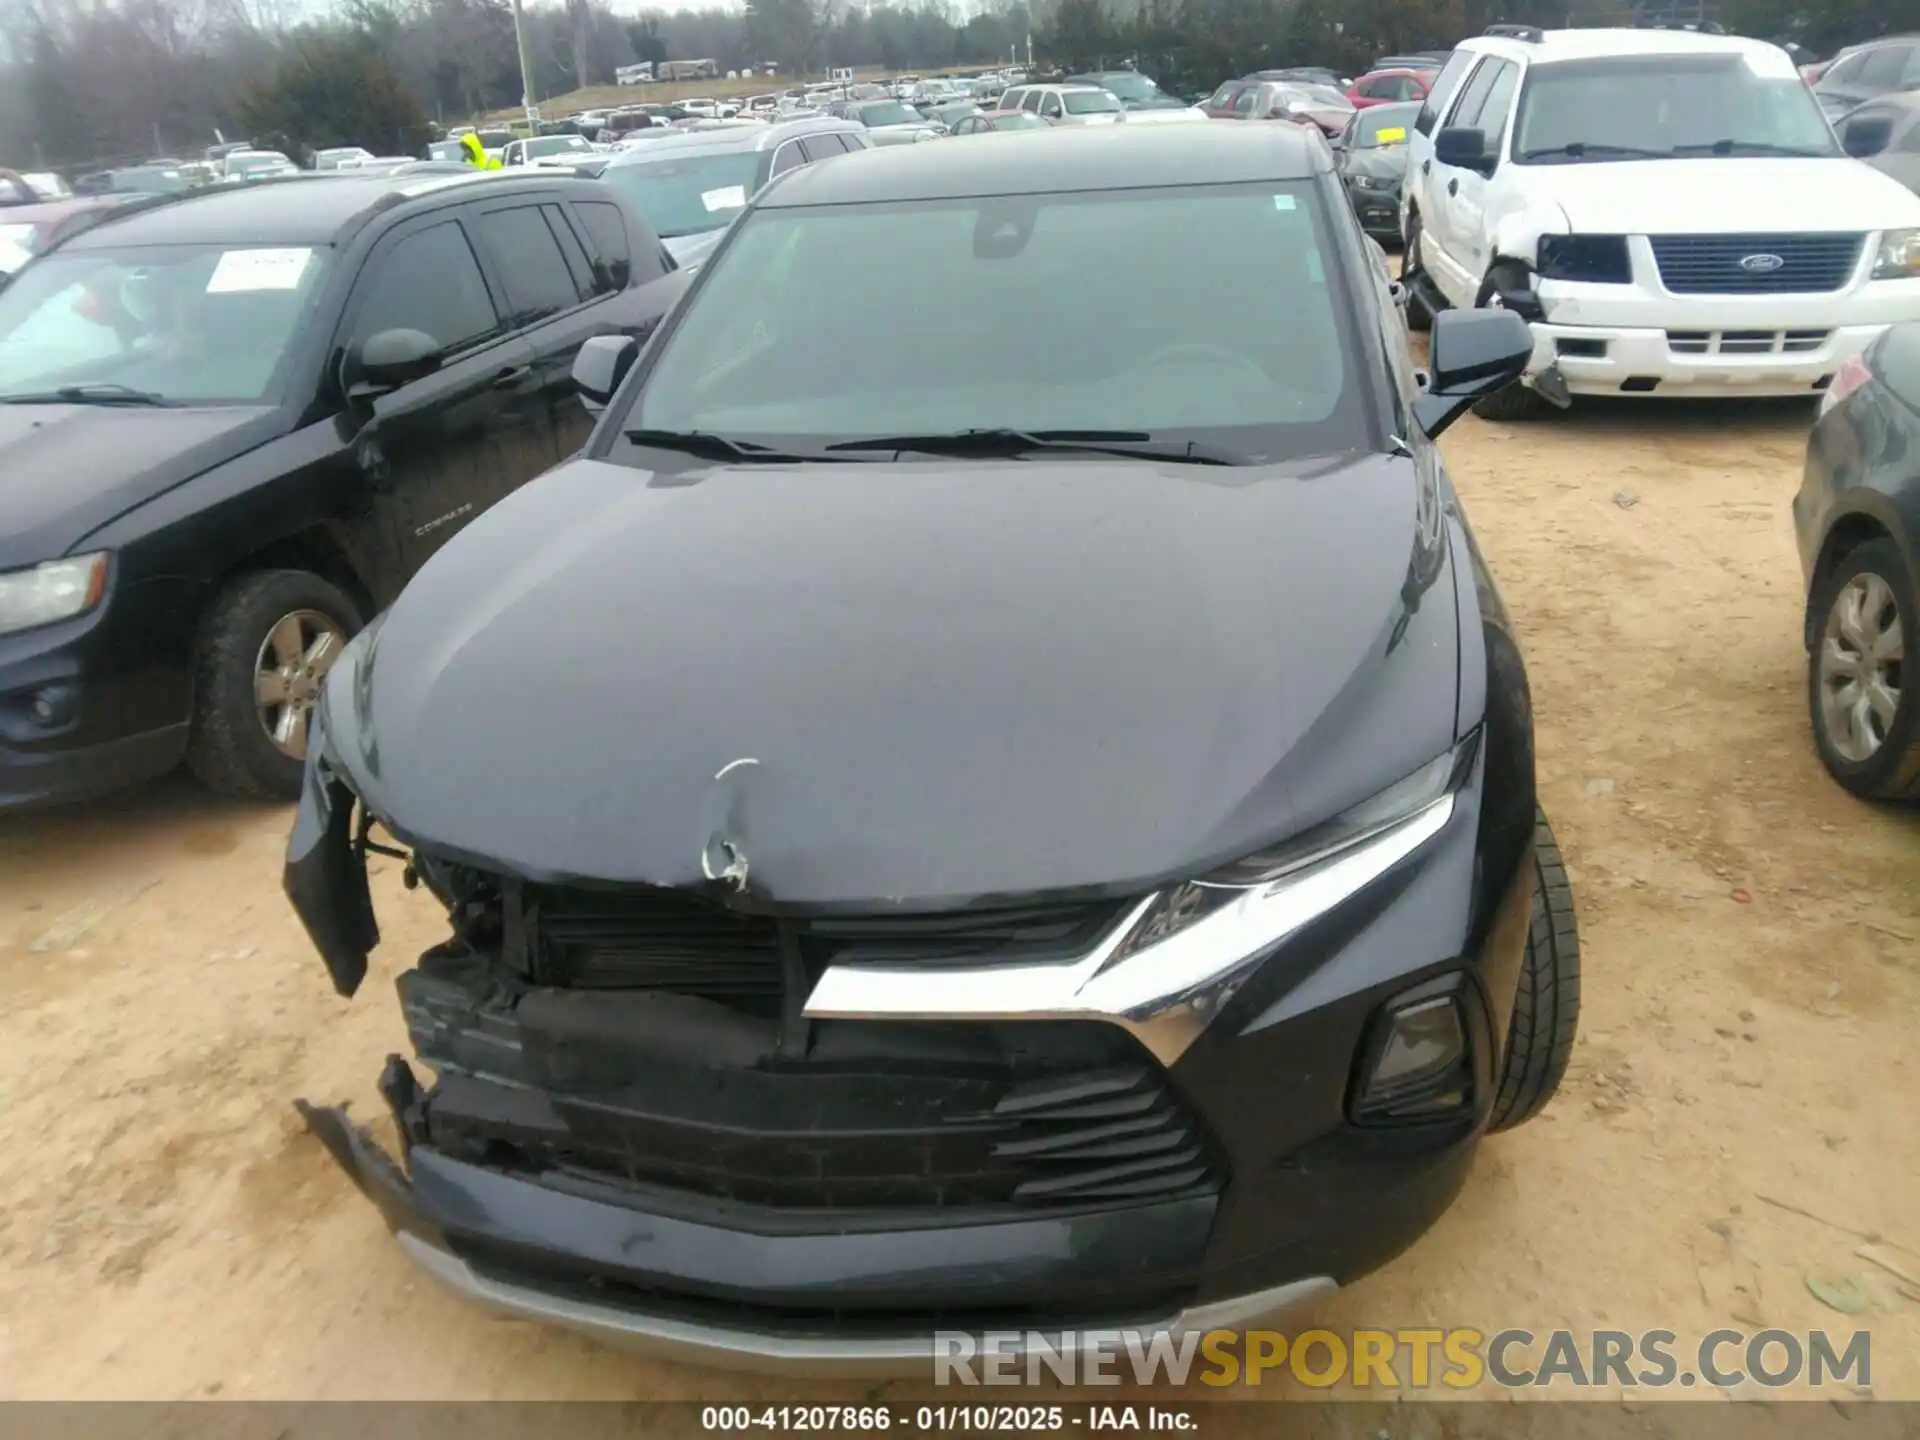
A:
[294,658]
[1860,660]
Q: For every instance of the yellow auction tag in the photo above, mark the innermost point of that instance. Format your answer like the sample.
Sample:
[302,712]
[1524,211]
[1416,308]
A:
[1393,134]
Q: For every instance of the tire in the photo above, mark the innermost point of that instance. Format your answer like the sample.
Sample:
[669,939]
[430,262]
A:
[1546,1004]
[229,749]
[1876,576]
[1419,317]
[1517,402]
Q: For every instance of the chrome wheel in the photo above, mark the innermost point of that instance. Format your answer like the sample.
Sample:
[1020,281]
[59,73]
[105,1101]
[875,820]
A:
[1861,652]
[293,660]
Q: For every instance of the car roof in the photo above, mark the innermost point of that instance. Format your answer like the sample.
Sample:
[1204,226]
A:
[1075,158]
[1601,43]
[1388,72]
[46,211]
[299,210]
[745,136]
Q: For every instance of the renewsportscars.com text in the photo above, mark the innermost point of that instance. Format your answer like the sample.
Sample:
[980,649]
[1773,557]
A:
[1457,1359]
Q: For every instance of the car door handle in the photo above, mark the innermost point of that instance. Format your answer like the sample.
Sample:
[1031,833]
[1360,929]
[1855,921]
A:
[1426,167]
[511,377]
[1453,187]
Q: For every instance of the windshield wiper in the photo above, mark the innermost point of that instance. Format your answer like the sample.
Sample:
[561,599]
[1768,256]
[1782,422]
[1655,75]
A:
[708,446]
[1749,147]
[1580,149]
[101,392]
[997,443]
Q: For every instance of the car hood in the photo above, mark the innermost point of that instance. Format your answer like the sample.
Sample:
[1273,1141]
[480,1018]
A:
[1724,196]
[894,685]
[690,251]
[1384,162]
[65,470]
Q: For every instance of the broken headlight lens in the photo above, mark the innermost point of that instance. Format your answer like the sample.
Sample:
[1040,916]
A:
[1182,906]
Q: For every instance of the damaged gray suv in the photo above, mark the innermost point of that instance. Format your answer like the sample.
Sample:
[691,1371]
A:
[1039,843]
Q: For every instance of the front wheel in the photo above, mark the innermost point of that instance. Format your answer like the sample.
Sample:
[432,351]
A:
[1866,719]
[1546,1005]
[1517,401]
[1419,317]
[266,644]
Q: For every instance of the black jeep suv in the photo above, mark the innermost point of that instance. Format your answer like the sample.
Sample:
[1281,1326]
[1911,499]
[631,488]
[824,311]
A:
[233,424]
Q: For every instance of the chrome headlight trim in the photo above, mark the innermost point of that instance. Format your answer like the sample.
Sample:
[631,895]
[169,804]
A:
[1165,993]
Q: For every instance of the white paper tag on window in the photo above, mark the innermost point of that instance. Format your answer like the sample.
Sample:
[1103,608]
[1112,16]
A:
[1283,202]
[727,197]
[247,270]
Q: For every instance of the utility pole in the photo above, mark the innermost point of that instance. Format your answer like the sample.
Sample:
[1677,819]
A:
[527,97]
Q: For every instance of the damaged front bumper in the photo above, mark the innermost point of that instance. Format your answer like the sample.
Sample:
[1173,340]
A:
[448,1208]
[1070,1142]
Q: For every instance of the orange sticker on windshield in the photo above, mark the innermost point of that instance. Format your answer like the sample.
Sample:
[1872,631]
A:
[1392,135]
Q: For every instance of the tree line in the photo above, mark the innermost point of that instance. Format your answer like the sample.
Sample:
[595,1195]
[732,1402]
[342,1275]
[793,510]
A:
[114,81]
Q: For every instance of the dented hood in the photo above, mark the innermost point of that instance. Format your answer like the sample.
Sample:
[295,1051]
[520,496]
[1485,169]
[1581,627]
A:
[905,684]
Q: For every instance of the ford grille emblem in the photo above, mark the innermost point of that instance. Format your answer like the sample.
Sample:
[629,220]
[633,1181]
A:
[1761,264]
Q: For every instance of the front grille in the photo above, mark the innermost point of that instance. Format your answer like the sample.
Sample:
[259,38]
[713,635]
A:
[834,1139]
[645,939]
[1745,342]
[1737,264]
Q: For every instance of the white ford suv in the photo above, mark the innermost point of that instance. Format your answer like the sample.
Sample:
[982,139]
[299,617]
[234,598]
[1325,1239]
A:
[1669,210]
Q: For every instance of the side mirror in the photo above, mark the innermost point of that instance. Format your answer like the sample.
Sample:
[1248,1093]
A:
[1471,354]
[1463,148]
[388,359]
[1865,138]
[603,362]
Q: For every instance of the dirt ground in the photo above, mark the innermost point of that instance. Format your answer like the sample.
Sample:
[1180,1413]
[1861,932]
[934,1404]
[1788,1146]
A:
[1747,1060]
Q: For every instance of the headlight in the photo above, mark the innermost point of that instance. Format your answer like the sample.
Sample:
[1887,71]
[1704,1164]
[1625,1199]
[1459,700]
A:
[1251,886]
[1371,182]
[57,590]
[1899,257]
[1593,259]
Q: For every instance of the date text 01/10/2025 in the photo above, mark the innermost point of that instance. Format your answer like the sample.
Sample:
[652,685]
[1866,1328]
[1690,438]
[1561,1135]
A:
[947,1419]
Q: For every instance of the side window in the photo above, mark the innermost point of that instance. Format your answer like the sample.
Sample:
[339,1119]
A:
[529,261]
[787,157]
[1407,88]
[1444,84]
[606,230]
[1050,107]
[1845,72]
[584,280]
[1497,104]
[821,147]
[1220,97]
[1031,101]
[431,282]
[1384,87]
[1473,94]
[1883,66]
[855,140]
[1910,72]
[1244,102]
[1909,141]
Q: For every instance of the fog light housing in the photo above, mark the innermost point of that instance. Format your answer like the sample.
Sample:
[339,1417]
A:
[52,706]
[1419,1063]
